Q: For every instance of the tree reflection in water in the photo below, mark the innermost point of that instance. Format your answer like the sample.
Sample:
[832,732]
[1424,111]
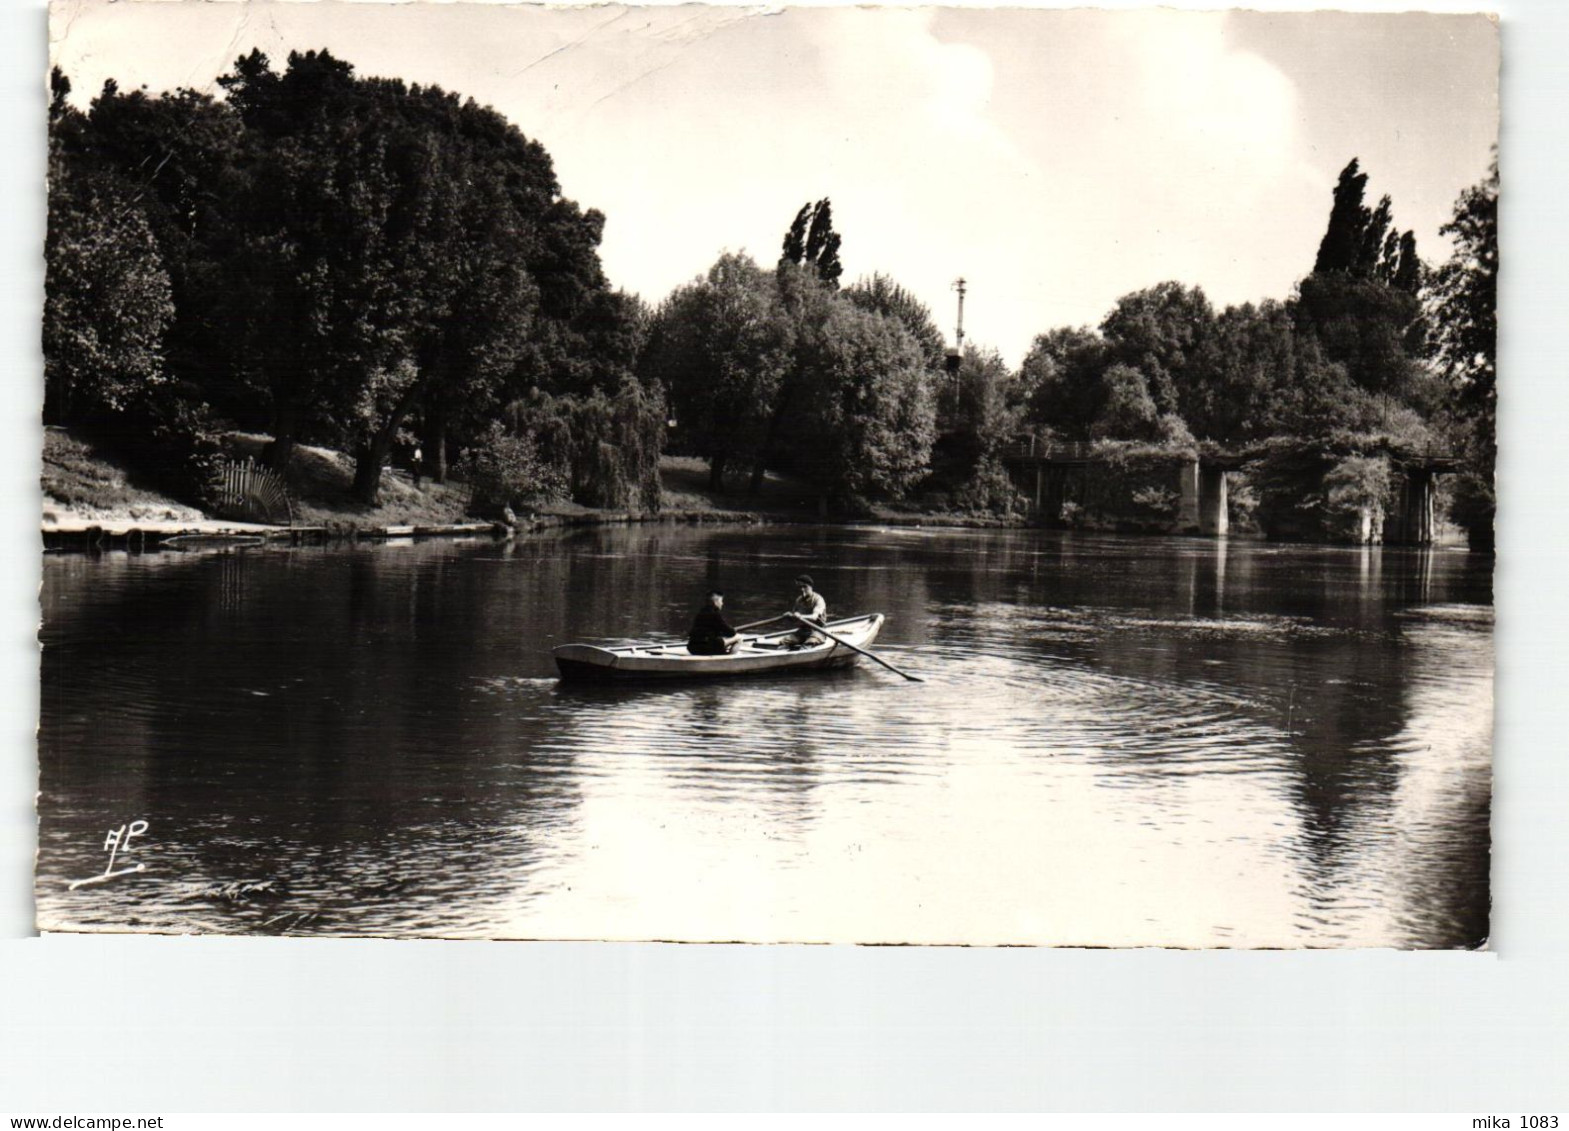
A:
[1120,741]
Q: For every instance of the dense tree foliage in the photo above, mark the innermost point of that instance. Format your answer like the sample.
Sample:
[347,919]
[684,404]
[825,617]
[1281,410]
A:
[779,370]
[605,445]
[351,261]
[862,422]
[1360,301]
[880,294]
[107,301]
[1061,381]
[1127,410]
[1323,390]
[182,159]
[369,264]
[505,470]
[1361,241]
[1161,333]
[722,346]
[1249,366]
[1464,345]
[979,412]
[418,245]
[110,313]
[1343,356]
[978,407]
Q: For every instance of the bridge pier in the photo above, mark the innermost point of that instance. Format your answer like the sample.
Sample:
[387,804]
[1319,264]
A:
[1188,496]
[1368,526]
[1074,484]
[1410,519]
[1213,487]
[1053,488]
[1202,499]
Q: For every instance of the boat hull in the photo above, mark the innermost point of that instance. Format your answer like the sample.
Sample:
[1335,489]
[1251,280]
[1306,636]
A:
[754,656]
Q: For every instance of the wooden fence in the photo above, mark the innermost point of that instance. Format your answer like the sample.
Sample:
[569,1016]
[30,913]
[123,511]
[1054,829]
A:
[248,492]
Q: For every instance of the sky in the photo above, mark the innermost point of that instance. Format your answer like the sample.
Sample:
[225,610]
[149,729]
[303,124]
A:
[1056,160]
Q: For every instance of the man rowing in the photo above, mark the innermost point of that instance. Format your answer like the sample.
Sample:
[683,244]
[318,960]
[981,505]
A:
[808,605]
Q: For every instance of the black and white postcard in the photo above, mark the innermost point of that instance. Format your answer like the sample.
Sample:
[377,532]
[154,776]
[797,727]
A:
[791,475]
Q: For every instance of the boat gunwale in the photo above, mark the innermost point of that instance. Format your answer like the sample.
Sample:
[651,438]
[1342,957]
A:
[678,647]
[671,659]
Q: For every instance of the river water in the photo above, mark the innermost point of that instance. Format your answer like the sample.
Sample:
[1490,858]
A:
[1118,741]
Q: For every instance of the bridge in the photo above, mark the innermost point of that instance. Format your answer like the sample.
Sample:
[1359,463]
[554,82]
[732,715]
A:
[1056,474]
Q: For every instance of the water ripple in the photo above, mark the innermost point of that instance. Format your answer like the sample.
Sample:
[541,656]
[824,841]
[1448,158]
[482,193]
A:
[1115,742]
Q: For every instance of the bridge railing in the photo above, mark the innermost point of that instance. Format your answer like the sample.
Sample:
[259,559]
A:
[1031,447]
[1068,451]
[1431,455]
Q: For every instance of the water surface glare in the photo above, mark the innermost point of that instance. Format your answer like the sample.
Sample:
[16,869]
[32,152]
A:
[1117,742]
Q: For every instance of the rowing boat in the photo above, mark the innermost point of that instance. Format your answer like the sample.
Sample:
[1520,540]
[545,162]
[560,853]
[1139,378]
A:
[754,654]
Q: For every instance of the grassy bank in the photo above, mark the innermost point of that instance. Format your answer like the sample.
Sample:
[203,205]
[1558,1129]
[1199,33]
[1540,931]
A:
[84,484]
[321,481]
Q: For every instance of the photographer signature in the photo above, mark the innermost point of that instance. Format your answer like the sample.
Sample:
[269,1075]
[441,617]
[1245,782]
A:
[117,841]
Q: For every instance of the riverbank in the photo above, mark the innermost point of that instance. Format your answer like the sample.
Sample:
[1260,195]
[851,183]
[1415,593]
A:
[91,498]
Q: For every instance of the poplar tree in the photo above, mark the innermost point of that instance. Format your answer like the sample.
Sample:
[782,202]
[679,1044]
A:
[812,242]
[1360,301]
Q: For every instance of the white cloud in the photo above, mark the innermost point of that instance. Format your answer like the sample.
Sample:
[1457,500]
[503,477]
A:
[1057,159]
[866,107]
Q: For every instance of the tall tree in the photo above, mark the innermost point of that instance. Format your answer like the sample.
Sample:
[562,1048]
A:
[107,299]
[812,242]
[1464,297]
[1341,247]
[419,252]
[865,417]
[722,347]
[1161,331]
[1464,304]
[1361,241]
[1061,381]
[1360,301]
[184,158]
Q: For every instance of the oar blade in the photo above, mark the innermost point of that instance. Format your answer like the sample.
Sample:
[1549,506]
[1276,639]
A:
[815,627]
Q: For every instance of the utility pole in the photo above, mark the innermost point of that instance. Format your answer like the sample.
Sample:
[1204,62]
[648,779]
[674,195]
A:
[956,355]
[958,336]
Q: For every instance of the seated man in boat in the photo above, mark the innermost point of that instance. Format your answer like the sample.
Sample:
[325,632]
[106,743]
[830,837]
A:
[808,605]
[711,634]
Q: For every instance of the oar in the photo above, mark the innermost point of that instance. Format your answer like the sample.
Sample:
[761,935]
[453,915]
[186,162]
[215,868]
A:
[815,627]
[759,623]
